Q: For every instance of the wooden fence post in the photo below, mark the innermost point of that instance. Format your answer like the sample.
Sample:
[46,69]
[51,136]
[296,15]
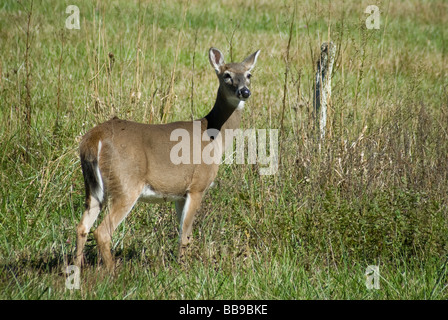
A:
[322,91]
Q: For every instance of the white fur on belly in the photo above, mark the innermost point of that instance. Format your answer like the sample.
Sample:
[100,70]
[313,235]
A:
[149,195]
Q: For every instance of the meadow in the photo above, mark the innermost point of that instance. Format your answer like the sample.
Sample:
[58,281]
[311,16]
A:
[374,191]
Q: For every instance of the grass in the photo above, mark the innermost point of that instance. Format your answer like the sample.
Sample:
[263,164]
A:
[375,193]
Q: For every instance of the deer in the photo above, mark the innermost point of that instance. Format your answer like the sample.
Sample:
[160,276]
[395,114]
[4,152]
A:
[124,162]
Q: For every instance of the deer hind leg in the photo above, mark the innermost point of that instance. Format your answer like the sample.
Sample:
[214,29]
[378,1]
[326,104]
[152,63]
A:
[186,211]
[93,208]
[119,209]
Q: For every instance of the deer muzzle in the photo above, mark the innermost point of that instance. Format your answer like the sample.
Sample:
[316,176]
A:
[243,93]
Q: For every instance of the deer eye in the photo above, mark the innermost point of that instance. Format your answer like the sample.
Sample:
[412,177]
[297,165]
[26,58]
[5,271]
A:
[249,76]
[227,77]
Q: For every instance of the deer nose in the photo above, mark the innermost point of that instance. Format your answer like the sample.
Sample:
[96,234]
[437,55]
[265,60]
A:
[244,92]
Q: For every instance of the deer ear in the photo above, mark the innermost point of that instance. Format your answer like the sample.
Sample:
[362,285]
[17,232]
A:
[216,59]
[250,61]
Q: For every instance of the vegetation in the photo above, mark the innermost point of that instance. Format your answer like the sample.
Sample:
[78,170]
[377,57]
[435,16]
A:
[374,192]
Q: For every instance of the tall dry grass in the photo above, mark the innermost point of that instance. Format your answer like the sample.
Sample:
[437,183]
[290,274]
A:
[373,193]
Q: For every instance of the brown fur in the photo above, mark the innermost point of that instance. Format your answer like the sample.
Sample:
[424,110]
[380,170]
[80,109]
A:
[135,155]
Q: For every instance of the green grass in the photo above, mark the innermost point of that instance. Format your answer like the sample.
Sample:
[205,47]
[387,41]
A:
[375,193]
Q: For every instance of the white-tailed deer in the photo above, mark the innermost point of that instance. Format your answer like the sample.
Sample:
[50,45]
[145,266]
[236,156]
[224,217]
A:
[126,162]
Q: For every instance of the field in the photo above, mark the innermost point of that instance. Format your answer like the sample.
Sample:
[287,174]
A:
[374,191]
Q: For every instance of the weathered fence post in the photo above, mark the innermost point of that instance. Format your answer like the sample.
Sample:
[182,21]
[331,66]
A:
[322,91]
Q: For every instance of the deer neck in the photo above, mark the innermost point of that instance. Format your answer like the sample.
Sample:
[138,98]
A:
[224,115]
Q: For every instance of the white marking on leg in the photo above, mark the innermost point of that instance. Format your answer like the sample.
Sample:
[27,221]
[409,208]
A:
[88,219]
[184,213]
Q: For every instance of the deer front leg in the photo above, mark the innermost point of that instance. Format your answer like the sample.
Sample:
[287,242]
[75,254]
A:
[186,211]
